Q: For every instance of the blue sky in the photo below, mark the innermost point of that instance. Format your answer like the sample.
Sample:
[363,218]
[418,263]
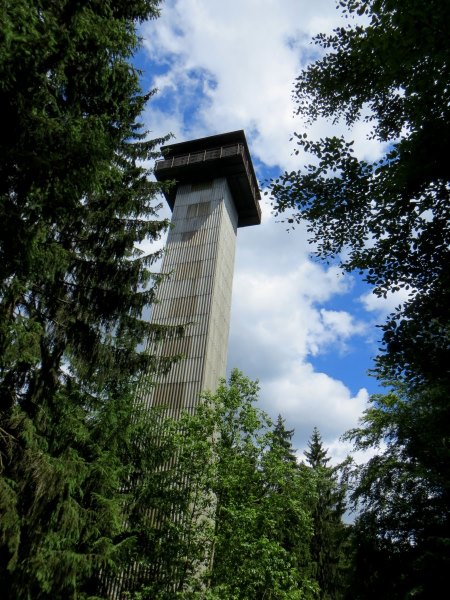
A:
[305,330]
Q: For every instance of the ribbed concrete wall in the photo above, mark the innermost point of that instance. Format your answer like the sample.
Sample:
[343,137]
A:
[200,257]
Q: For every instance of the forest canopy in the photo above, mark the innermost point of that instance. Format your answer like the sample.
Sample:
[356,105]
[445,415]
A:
[389,221]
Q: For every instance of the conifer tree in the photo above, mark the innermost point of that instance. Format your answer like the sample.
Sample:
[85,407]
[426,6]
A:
[75,200]
[329,543]
[282,440]
[317,456]
[290,495]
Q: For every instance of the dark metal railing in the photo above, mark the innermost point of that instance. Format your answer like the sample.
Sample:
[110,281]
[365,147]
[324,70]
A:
[211,154]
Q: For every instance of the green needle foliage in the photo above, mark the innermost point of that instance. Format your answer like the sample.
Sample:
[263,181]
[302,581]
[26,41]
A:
[74,201]
[330,544]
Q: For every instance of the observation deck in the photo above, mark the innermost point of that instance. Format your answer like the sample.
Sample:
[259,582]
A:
[204,159]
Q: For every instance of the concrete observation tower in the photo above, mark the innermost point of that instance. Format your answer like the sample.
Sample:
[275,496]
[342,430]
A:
[216,192]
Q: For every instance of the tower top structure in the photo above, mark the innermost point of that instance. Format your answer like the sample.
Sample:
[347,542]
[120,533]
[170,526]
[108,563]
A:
[224,155]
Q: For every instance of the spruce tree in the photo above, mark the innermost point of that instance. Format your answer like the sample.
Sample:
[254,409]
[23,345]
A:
[329,543]
[282,440]
[75,200]
[290,494]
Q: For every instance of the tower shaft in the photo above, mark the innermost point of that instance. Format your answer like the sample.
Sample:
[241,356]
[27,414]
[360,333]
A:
[199,259]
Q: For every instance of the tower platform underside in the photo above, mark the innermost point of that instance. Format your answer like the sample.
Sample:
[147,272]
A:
[224,155]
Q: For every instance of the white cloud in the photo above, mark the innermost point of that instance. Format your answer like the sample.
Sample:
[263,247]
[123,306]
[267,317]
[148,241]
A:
[244,57]
[279,322]
[384,306]
[280,298]
[307,399]
[339,450]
